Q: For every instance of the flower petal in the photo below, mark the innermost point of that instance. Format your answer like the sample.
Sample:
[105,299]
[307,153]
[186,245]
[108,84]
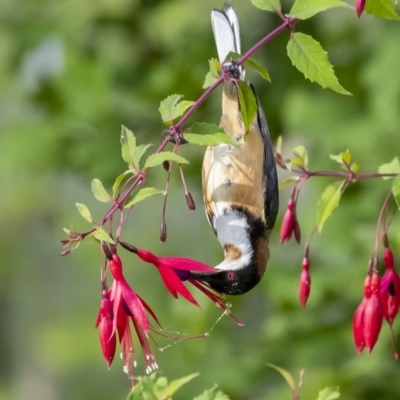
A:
[174,284]
[186,264]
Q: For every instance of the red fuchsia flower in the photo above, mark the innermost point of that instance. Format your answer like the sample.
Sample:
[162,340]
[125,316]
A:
[290,224]
[126,305]
[360,4]
[175,270]
[105,324]
[390,288]
[368,318]
[305,282]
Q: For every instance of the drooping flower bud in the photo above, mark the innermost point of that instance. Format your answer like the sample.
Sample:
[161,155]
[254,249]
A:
[360,4]
[105,323]
[373,315]
[358,318]
[305,282]
[190,201]
[388,258]
[288,222]
[163,232]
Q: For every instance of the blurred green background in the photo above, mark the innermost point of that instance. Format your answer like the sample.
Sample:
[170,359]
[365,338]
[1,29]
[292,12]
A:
[71,73]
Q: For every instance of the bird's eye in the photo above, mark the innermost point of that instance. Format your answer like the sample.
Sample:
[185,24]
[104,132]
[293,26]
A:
[231,275]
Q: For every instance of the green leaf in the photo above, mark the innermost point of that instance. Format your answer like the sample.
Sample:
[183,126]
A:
[84,211]
[128,143]
[344,158]
[139,151]
[288,181]
[288,377]
[215,67]
[248,104]
[308,56]
[100,192]
[174,386]
[208,81]
[391,168]
[301,152]
[267,5]
[303,9]
[101,234]
[172,108]
[205,134]
[278,148]
[212,394]
[381,9]
[328,202]
[329,393]
[142,194]
[396,190]
[159,158]
[118,181]
[355,168]
[253,64]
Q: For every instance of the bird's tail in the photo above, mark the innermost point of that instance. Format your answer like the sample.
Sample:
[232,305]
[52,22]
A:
[225,24]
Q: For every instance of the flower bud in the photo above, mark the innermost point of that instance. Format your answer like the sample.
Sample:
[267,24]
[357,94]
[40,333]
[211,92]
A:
[388,257]
[305,286]
[373,315]
[288,222]
[360,4]
[107,336]
[190,201]
[163,232]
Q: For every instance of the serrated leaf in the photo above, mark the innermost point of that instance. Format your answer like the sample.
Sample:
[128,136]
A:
[142,194]
[308,56]
[215,67]
[278,148]
[248,104]
[212,394]
[286,374]
[288,181]
[396,190]
[209,81]
[303,9]
[101,234]
[344,158]
[128,143]
[390,168]
[118,181]
[140,150]
[157,159]
[267,5]
[174,386]
[253,64]
[328,202]
[381,9]
[329,393]
[84,211]
[100,192]
[301,152]
[172,108]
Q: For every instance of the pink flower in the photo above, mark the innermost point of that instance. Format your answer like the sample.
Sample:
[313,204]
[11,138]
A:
[126,306]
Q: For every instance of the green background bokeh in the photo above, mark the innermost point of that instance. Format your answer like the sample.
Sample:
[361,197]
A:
[71,73]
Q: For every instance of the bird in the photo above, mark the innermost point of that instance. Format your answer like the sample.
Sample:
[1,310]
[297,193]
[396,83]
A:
[239,183]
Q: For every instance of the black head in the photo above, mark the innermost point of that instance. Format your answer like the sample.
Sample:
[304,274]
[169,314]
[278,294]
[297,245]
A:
[233,282]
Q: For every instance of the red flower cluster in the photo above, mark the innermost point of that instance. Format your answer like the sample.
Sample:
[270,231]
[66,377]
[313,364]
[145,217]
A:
[290,224]
[381,300]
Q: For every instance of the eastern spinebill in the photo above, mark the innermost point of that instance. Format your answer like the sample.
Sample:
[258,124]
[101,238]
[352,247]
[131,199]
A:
[240,185]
